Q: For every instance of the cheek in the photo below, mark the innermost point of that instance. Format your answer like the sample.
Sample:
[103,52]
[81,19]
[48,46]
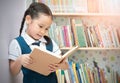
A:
[30,31]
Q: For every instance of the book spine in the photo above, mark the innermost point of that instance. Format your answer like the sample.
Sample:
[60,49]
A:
[71,71]
[75,72]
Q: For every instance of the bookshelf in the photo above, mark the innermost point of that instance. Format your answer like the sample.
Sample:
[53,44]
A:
[104,26]
[106,15]
[93,48]
[86,14]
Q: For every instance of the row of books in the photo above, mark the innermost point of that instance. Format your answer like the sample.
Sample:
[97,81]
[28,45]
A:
[95,35]
[68,32]
[78,6]
[61,32]
[81,73]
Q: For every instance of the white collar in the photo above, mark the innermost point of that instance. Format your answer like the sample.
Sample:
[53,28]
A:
[30,40]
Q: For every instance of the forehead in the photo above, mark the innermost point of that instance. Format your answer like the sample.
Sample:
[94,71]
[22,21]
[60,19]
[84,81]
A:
[43,18]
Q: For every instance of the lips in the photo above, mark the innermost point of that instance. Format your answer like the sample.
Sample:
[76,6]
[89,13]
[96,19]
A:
[39,35]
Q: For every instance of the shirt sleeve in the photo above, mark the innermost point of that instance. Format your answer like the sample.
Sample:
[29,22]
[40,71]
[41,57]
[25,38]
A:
[56,48]
[14,50]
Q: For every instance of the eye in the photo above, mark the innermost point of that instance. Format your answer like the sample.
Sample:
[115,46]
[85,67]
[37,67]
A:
[40,26]
[46,29]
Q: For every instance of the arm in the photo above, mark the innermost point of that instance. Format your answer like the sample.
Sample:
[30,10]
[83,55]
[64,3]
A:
[16,60]
[15,65]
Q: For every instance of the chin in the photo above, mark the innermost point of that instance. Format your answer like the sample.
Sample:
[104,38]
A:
[38,38]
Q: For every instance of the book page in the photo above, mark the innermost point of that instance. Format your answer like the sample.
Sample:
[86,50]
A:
[70,52]
[48,52]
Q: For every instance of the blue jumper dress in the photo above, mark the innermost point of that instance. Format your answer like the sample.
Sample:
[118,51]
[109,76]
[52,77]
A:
[30,76]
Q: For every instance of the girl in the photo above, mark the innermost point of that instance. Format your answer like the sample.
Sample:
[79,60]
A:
[38,18]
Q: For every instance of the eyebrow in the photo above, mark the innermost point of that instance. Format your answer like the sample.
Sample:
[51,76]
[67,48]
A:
[40,24]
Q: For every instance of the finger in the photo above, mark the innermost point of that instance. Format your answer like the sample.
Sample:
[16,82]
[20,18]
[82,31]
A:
[29,60]
[51,69]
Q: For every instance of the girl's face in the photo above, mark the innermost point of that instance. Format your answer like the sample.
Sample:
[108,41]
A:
[38,27]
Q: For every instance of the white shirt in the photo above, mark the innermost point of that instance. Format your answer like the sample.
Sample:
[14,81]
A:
[15,50]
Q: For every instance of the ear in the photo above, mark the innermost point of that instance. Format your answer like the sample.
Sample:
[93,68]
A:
[28,19]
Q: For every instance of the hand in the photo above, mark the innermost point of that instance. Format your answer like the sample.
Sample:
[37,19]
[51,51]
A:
[25,60]
[63,65]
[53,67]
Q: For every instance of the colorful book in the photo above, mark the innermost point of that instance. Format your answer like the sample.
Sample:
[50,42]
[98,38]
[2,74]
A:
[67,76]
[71,72]
[75,72]
[78,72]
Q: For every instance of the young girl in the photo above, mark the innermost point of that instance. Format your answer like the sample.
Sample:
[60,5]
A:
[38,18]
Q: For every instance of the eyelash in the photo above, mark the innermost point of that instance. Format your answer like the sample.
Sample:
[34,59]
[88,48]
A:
[46,29]
[42,27]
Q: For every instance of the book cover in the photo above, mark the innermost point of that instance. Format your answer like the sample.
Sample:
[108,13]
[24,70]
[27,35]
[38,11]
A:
[78,72]
[75,72]
[79,32]
[87,36]
[71,72]
[82,73]
[74,31]
[67,76]
[58,74]
[62,76]
[43,58]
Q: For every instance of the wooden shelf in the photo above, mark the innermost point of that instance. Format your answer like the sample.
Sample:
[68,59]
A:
[91,48]
[86,14]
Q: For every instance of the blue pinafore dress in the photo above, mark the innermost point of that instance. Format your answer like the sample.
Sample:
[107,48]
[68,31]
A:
[30,76]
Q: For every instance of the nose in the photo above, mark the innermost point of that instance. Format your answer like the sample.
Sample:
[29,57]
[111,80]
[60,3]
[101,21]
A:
[42,31]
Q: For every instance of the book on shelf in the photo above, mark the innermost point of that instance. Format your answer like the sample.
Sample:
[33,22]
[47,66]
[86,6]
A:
[62,76]
[61,32]
[75,72]
[87,36]
[67,76]
[79,33]
[71,72]
[78,72]
[43,58]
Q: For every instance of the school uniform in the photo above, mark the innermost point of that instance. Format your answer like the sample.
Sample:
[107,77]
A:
[24,45]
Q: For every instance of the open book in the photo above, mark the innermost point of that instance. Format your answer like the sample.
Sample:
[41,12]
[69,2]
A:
[43,58]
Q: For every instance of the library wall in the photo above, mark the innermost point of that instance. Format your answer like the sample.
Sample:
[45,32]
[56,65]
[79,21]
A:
[11,13]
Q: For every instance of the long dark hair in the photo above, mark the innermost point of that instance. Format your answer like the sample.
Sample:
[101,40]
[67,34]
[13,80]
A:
[33,10]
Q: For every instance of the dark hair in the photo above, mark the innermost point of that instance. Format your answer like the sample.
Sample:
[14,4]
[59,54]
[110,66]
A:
[34,9]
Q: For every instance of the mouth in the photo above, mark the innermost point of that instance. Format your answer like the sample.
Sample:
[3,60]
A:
[39,35]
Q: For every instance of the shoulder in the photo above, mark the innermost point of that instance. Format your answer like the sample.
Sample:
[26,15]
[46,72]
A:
[56,48]
[13,42]
[54,43]
[14,49]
